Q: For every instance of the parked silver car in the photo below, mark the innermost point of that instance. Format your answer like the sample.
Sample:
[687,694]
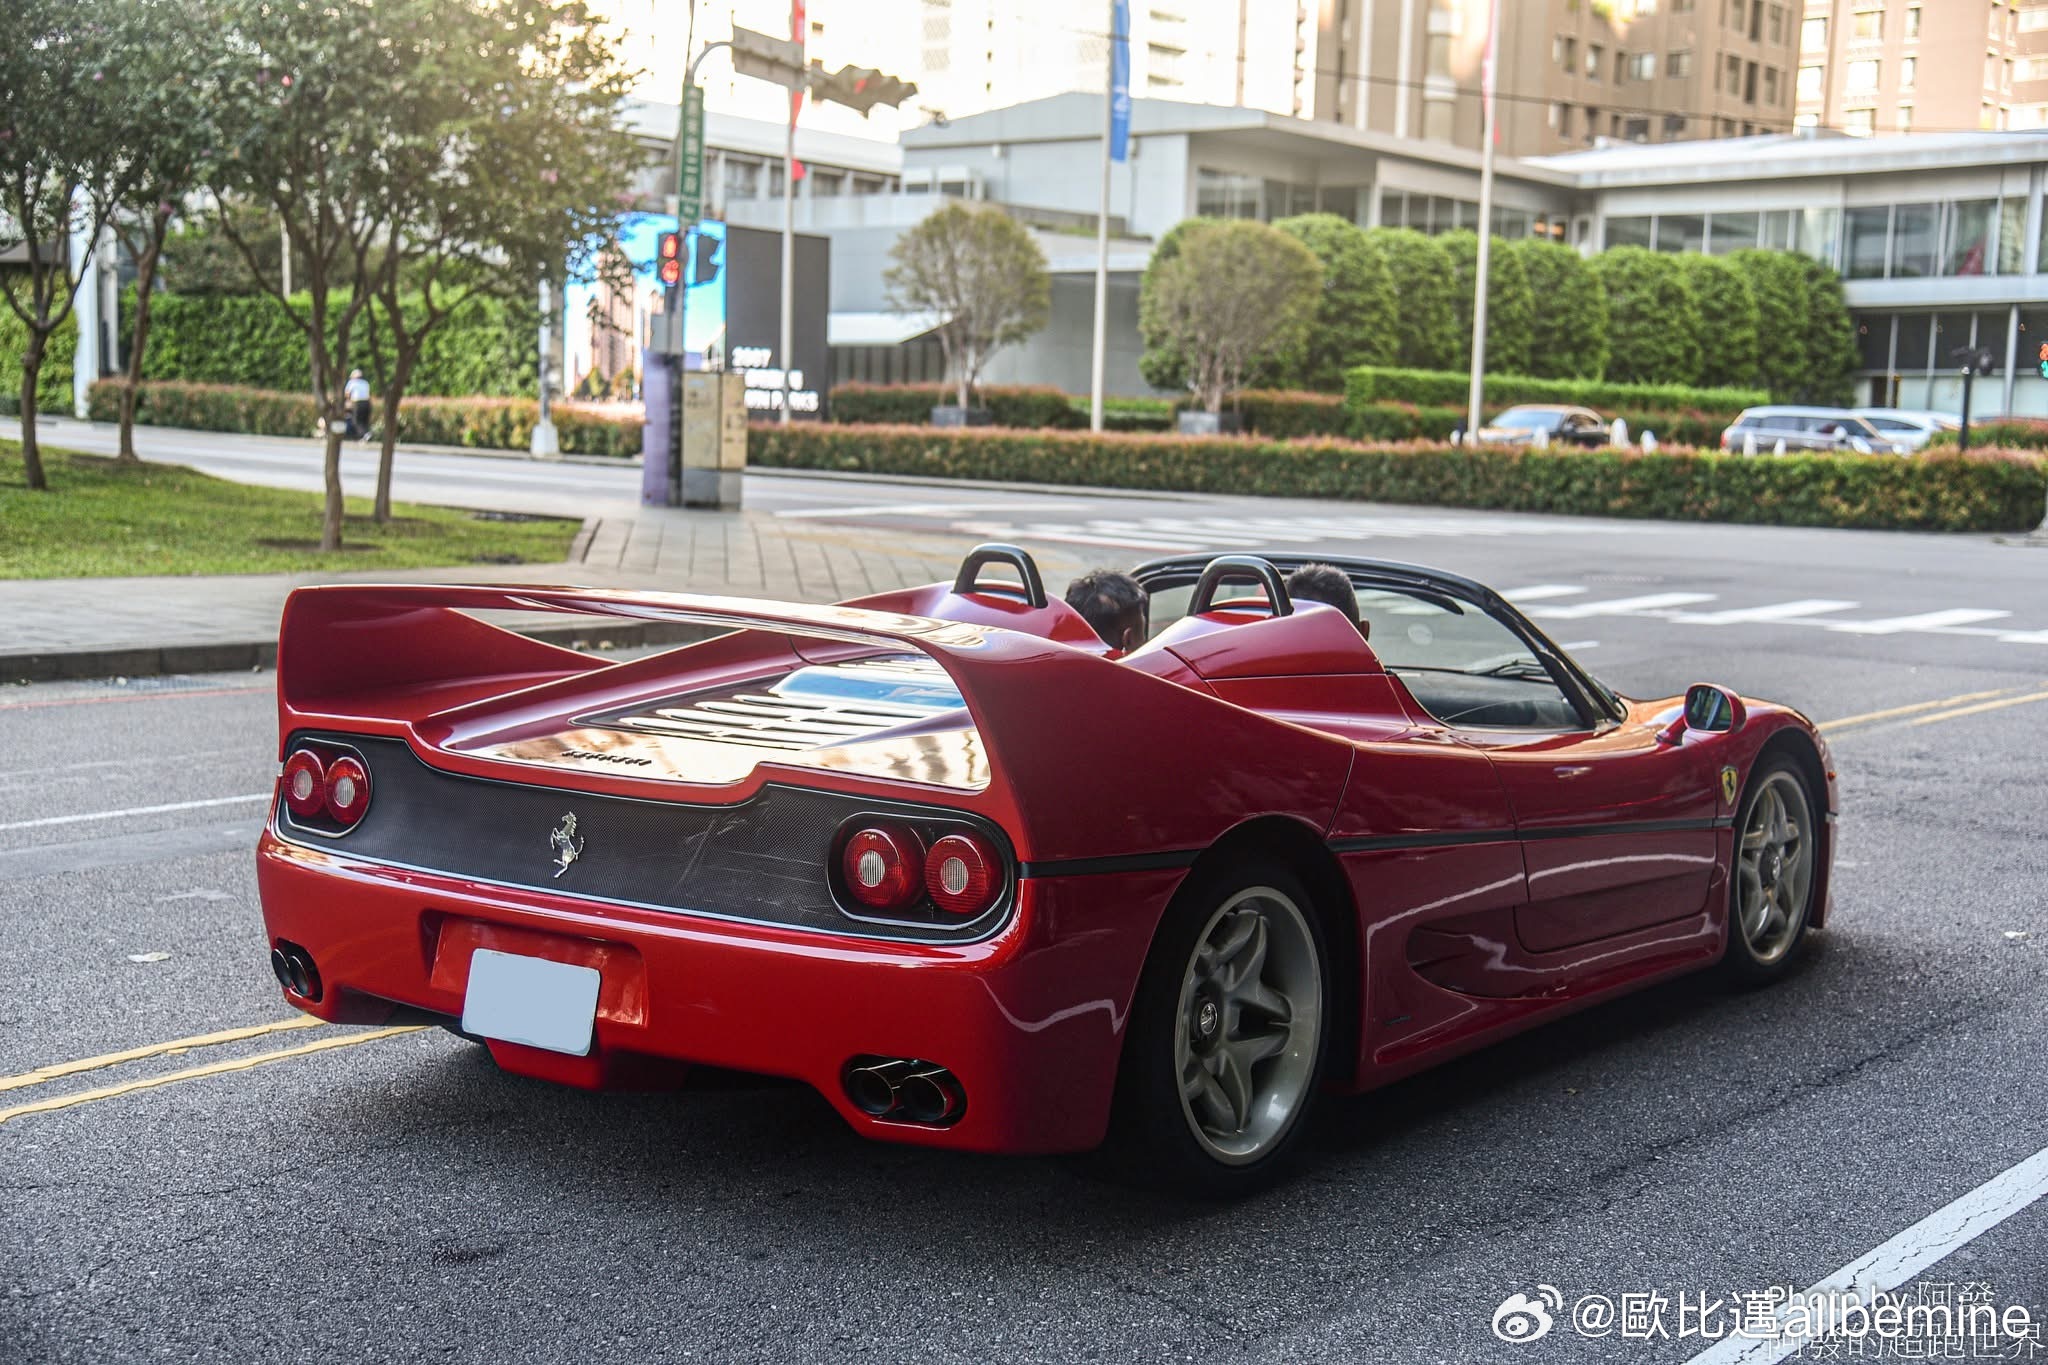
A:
[1907,428]
[1807,429]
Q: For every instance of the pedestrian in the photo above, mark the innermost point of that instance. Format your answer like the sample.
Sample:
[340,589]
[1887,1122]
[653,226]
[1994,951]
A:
[357,392]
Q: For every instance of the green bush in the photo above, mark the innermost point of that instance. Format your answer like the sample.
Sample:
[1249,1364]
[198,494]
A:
[1357,314]
[1728,319]
[53,382]
[1426,327]
[1943,493]
[1831,352]
[1366,384]
[1571,311]
[1653,317]
[1038,405]
[1510,307]
[479,423]
[488,347]
[1778,284]
[2019,434]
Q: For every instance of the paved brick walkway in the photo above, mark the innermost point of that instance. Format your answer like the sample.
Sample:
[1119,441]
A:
[88,627]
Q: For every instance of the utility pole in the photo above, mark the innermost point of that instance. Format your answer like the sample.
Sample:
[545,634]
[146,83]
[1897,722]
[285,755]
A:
[796,98]
[1489,125]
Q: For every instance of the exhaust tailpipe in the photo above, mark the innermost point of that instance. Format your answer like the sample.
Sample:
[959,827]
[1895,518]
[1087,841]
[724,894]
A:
[294,969]
[280,969]
[931,1095]
[876,1087]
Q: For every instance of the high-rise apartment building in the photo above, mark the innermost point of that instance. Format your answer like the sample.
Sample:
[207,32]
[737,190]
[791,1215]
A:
[1904,66]
[1572,72]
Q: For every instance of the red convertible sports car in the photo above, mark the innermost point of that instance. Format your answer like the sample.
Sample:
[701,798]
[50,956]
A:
[940,856]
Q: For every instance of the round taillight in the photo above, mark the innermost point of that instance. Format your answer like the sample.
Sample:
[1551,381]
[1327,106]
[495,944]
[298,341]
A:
[348,790]
[960,875]
[883,867]
[305,784]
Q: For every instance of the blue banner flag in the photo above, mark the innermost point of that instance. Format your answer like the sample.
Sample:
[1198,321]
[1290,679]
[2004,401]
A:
[1120,81]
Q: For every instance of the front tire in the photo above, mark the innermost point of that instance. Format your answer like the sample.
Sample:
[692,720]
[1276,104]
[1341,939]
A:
[1228,1036]
[1773,876]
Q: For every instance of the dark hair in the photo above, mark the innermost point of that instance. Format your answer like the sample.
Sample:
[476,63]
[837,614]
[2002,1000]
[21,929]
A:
[1325,583]
[1106,599]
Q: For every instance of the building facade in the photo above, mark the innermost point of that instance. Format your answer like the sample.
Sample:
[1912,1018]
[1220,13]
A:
[1905,66]
[1571,73]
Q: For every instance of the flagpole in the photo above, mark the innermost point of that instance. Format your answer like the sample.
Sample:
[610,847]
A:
[1475,396]
[1095,366]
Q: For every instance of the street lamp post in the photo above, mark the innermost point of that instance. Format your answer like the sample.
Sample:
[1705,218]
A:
[1489,130]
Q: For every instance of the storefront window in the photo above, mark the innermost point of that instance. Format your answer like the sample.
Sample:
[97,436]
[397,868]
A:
[1915,235]
[1732,232]
[2012,237]
[1628,232]
[1874,340]
[1681,232]
[1869,231]
[1916,334]
[1972,224]
[1220,194]
[1820,234]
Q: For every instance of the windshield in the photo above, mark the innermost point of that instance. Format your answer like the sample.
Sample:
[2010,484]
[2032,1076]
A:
[1529,419]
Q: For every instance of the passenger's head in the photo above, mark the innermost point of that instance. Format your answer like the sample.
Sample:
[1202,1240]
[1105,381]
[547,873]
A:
[1325,583]
[1114,604]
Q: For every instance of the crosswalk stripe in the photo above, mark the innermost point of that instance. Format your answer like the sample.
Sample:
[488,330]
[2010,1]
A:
[1538,592]
[1623,606]
[1777,611]
[1928,620]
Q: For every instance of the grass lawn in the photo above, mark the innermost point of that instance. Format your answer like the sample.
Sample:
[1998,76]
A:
[101,519]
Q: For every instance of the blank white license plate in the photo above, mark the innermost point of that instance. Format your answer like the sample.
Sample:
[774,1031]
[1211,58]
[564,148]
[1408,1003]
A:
[530,1000]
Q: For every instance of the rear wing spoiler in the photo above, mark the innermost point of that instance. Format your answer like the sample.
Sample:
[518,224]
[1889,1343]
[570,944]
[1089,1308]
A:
[1054,720]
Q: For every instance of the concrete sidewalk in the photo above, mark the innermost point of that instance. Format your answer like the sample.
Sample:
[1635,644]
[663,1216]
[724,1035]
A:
[105,627]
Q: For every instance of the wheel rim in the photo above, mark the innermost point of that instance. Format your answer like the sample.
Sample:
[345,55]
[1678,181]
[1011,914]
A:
[1248,1023]
[1774,867]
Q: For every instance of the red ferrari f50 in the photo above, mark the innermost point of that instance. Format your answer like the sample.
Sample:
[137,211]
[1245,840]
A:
[938,855]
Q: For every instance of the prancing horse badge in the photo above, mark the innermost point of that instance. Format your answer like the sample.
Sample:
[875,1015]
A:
[568,848]
[1727,790]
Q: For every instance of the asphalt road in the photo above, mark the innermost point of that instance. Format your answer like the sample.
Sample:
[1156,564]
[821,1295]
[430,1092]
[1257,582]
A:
[392,1197]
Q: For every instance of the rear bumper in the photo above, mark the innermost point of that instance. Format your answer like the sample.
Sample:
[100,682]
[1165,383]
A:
[1030,1020]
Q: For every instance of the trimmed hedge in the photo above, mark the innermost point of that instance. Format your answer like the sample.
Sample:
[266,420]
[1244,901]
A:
[2000,492]
[479,423]
[2019,434]
[1036,405]
[1366,384]
[53,382]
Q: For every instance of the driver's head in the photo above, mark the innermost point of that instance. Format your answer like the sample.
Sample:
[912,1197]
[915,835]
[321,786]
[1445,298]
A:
[1325,583]
[1112,602]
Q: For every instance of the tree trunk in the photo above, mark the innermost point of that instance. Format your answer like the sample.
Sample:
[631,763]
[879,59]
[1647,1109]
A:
[31,449]
[389,451]
[963,384]
[330,526]
[138,340]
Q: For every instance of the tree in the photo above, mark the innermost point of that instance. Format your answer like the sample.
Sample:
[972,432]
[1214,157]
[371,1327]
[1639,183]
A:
[319,98]
[1778,284]
[1427,325]
[1570,339]
[1510,307]
[1235,295]
[1653,317]
[1356,313]
[981,274]
[506,167]
[67,120]
[1161,365]
[1728,320]
[175,70]
[1831,351]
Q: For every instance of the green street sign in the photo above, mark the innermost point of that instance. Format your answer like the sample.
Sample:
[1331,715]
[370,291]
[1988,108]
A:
[690,158]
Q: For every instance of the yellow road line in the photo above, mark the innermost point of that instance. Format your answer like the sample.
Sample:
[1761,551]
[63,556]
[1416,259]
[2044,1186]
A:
[1917,706]
[136,1054]
[108,1092]
[1981,707]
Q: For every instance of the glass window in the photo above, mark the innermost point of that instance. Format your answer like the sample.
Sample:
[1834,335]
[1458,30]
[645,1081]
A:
[1443,214]
[1916,335]
[1681,232]
[1393,205]
[1862,77]
[1874,340]
[1778,230]
[1813,35]
[1912,21]
[1628,232]
[1951,334]
[1678,64]
[1909,72]
[1224,194]
[1868,231]
[2033,351]
[1732,232]
[1463,666]
[1971,225]
[1812,80]
[1991,329]
[1915,240]
[1867,23]
[1820,234]
[2012,236]
[1859,122]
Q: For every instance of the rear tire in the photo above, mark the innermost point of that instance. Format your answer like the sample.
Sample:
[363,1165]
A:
[1773,875]
[1228,1036]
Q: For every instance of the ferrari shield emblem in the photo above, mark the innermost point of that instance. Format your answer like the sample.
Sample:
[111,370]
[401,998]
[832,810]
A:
[1728,785]
[568,847]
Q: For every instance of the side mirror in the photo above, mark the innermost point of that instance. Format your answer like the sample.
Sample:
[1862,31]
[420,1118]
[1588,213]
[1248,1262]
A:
[1709,710]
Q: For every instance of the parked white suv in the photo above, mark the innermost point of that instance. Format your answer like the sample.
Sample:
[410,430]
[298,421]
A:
[1908,429]
[1807,429]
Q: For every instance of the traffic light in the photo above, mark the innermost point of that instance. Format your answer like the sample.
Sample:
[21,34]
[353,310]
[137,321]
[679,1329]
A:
[859,87]
[670,257]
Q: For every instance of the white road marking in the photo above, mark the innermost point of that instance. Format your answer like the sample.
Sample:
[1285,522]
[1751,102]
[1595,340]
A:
[1071,536]
[135,810]
[1777,611]
[1622,606]
[1927,620]
[1540,592]
[925,509]
[1931,1240]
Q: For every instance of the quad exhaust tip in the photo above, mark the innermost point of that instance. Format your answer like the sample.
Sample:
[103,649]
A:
[906,1090]
[293,967]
